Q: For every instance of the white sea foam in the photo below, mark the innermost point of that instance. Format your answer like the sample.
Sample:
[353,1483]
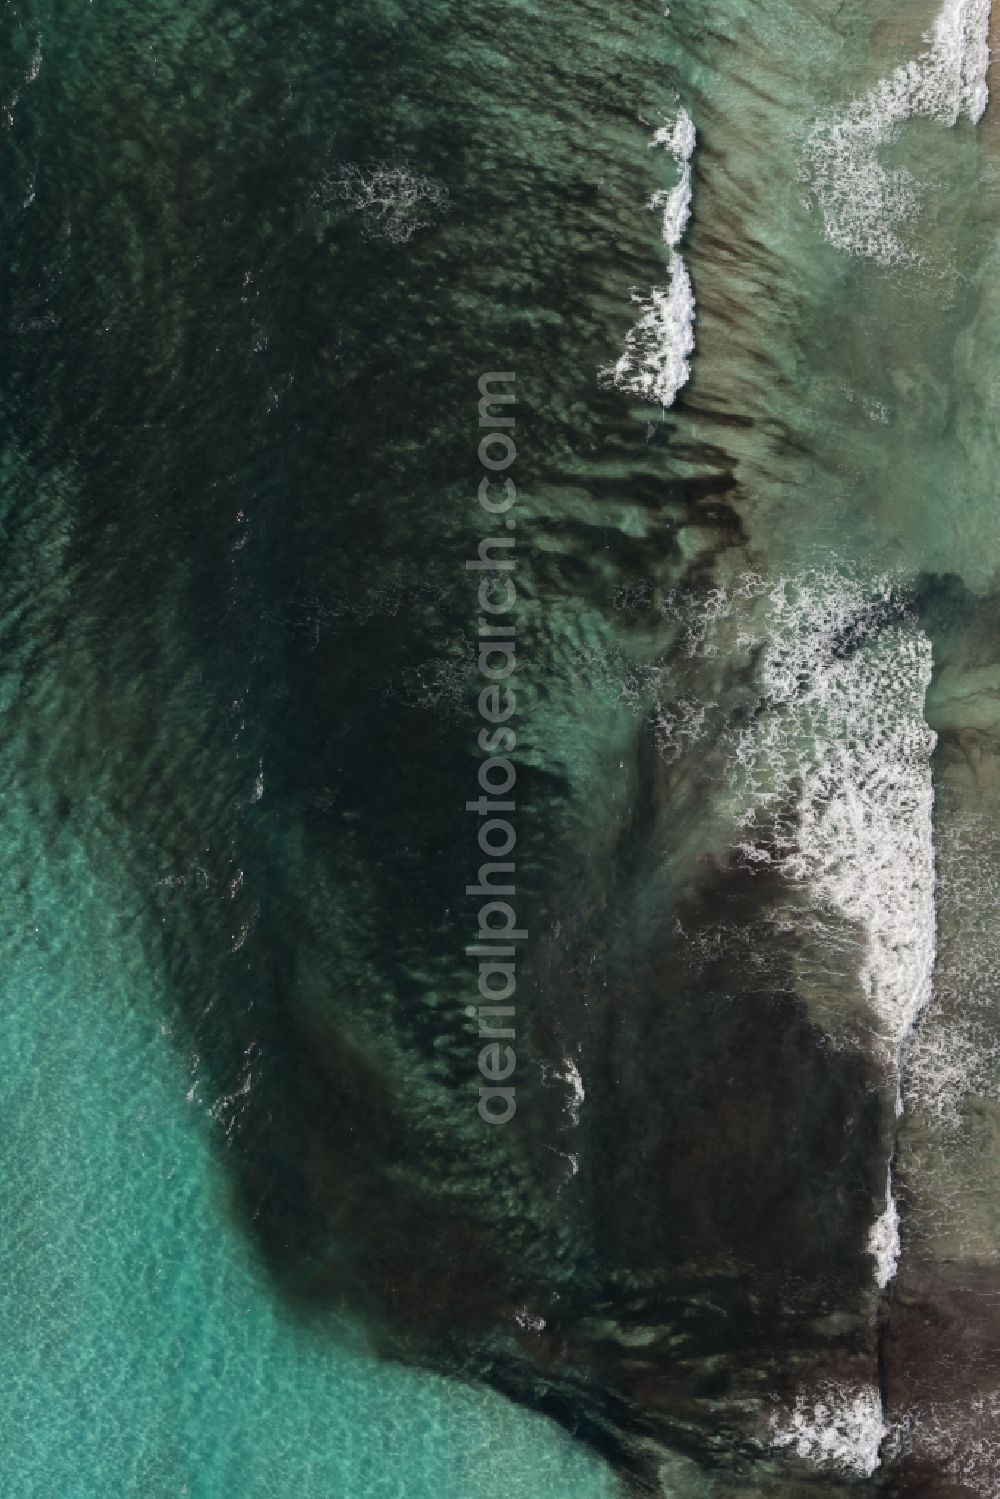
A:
[677,136]
[883,1241]
[679,724]
[955,1051]
[676,206]
[679,139]
[838,1426]
[830,767]
[569,1073]
[961,40]
[960,1437]
[842,739]
[529,1321]
[656,360]
[656,363]
[832,788]
[392,200]
[864,204]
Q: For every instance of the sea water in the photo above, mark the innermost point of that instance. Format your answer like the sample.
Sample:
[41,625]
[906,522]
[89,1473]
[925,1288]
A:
[741,259]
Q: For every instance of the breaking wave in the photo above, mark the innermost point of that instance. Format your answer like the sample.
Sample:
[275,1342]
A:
[838,1426]
[830,786]
[656,360]
[864,203]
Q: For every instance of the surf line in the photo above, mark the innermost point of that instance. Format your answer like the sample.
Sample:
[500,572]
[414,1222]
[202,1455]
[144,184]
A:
[656,362]
[497,929]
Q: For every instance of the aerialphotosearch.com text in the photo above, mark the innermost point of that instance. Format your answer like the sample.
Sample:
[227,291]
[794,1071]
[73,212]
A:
[497,930]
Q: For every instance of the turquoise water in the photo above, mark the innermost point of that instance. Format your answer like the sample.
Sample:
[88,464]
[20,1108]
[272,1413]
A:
[144,1352]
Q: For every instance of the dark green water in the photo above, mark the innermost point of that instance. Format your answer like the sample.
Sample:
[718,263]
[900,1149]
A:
[258,1240]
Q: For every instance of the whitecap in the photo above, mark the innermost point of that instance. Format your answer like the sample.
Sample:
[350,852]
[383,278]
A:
[883,1241]
[839,1426]
[656,361]
[831,787]
[842,738]
[864,204]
